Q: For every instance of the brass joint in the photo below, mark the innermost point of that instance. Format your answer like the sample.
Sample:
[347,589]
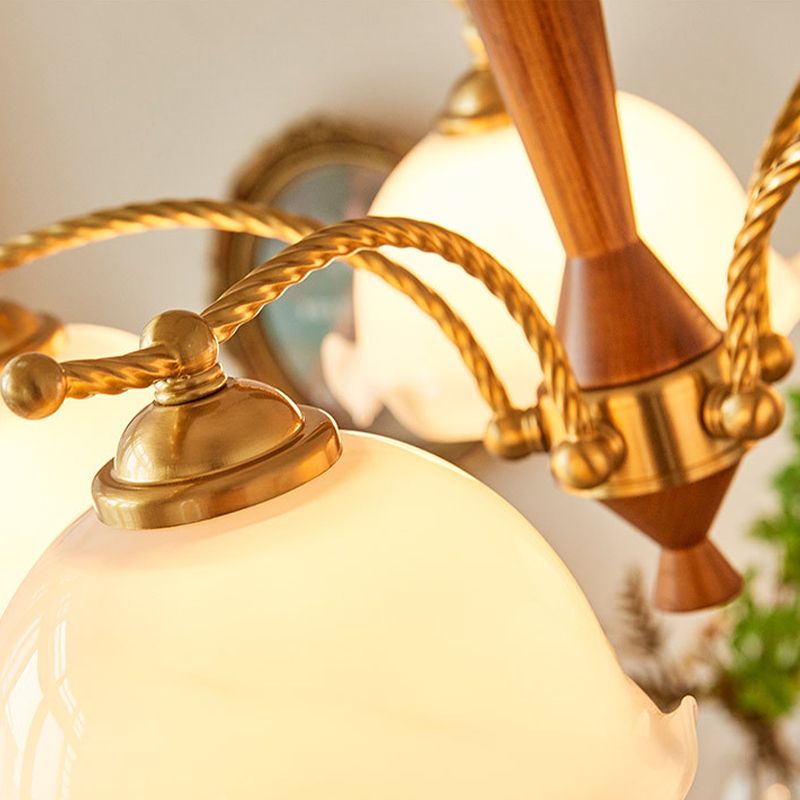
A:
[746,415]
[191,342]
[516,433]
[584,464]
[651,435]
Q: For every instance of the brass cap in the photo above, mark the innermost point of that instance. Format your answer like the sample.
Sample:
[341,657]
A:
[230,449]
[24,331]
[473,105]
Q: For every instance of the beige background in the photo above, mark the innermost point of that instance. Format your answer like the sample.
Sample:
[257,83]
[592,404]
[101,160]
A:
[105,102]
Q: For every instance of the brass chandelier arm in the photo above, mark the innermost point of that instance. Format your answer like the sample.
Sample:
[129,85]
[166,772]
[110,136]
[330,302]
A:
[585,453]
[745,292]
[242,301]
[136,370]
[785,128]
[112,376]
[775,358]
[199,214]
[746,407]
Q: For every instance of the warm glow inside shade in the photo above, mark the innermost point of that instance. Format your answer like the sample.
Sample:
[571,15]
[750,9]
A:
[47,466]
[391,630]
[689,206]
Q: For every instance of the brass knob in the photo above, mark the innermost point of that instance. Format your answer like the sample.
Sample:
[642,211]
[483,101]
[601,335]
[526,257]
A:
[33,385]
[747,415]
[515,434]
[775,355]
[589,461]
[191,342]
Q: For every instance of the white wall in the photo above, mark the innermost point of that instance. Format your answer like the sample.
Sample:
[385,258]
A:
[106,102]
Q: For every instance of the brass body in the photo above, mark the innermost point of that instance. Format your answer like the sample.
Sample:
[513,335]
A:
[666,441]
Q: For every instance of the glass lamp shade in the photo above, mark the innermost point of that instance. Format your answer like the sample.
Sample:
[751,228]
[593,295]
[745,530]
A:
[689,206]
[47,466]
[392,629]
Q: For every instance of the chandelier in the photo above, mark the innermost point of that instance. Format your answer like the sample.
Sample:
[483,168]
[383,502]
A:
[306,611]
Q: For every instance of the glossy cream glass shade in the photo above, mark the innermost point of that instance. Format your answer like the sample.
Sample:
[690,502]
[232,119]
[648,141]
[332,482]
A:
[47,466]
[689,206]
[391,630]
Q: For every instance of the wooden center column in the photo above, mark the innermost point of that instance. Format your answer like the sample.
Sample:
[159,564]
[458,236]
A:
[622,316]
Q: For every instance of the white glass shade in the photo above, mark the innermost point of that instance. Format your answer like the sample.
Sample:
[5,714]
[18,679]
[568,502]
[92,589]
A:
[689,206]
[391,630]
[48,465]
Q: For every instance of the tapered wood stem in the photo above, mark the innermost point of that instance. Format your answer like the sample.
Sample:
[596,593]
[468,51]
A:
[552,62]
[622,316]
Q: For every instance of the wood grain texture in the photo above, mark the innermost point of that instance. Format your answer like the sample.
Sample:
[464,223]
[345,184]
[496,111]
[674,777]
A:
[693,574]
[622,315]
[623,318]
[552,64]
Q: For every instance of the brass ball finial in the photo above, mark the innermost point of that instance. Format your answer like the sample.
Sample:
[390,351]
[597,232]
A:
[587,462]
[33,385]
[187,335]
[515,434]
[775,355]
[748,415]
[191,342]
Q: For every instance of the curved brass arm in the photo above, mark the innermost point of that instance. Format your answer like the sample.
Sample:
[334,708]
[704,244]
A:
[747,408]
[774,350]
[137,370]
[586,457]
[745,292]
[242,301]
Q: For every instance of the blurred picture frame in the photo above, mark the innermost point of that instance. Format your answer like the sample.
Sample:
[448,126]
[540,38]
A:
[330,170]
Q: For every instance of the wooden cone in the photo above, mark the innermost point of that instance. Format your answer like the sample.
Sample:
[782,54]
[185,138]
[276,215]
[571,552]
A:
[693,574]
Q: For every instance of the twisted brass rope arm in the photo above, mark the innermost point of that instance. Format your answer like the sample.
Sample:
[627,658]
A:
[107,377]
[746,407]
[257,220]
[770,193]
[242,301]
[199,214]
[785,128]
[34,385]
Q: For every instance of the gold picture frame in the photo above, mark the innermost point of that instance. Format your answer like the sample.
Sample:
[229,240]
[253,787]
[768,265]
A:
[293,172]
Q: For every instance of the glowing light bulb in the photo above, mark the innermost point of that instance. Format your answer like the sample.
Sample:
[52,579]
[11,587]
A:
[391,629]
[47,467]
[689,206]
